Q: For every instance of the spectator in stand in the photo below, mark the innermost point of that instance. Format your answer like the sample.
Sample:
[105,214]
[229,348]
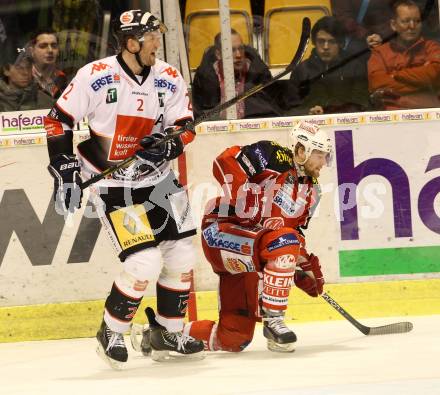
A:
[365,21]
[405,72]
[18,90]
[249,70]
[45,51]
[314,90]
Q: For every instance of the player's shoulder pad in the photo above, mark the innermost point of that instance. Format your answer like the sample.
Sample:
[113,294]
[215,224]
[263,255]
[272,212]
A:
[100,66]
[96,69]
[100,73]
[281,156]
[165,70]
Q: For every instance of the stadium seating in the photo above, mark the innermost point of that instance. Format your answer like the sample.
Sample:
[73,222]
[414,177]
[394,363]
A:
[202,23]
[282,27]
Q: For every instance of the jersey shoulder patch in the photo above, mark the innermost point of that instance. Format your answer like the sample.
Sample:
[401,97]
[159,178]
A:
[166,77]
[98,74]
[101,66]
[281,158]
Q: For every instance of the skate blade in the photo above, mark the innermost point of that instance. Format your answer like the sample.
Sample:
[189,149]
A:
[278,347]
[136,337]
[172,356]
[116,365]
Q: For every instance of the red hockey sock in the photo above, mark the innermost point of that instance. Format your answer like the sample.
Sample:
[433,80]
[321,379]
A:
[202,330]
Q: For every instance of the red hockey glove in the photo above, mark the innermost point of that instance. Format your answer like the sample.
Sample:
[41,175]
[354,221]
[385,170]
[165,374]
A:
[310,278]
[187,132]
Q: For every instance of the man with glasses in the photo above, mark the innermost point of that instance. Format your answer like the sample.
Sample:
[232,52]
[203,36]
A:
[405,72]
[132,101]
[249,70]
[313,90]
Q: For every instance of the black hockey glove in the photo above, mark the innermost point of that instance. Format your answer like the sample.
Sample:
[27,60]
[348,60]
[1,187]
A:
[67,180]
[167,150]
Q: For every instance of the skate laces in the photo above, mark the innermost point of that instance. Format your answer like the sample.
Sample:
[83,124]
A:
[277,324]
[180,339]
[116,339]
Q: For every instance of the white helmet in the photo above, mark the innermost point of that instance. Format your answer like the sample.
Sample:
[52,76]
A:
[311,137]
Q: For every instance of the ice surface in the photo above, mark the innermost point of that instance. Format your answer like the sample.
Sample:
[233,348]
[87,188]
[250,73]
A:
[331,358]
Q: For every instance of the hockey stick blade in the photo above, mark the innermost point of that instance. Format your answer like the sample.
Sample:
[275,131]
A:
[398,327]
[299,54]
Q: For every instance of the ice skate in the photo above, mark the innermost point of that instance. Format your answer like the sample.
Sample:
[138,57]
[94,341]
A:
[279,337]
[111,347]
[169,345]
[140,339]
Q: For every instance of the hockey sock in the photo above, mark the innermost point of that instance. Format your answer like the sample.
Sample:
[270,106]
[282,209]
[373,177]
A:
[172,305]
[277,281]
[120,309]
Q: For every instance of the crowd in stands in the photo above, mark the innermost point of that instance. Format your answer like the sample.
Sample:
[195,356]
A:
[368,55]
[48,41]
[30,78]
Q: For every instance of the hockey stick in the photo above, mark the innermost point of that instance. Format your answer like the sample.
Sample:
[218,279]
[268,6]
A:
[302,47]
[398,327]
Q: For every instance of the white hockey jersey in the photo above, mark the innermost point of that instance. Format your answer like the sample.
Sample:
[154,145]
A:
[121,108]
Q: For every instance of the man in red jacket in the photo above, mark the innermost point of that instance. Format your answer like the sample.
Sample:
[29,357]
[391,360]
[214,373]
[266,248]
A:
[404,73]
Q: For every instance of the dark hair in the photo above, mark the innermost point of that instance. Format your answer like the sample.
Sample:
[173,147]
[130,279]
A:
[22,57]
[331,26]
[34,35]
[408,3]
[218,39]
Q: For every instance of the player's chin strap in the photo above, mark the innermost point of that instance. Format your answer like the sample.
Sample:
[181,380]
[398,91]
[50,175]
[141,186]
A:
[136,55]
[138,58]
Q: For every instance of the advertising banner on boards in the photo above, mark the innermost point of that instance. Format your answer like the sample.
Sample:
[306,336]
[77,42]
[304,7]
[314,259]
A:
[379,216]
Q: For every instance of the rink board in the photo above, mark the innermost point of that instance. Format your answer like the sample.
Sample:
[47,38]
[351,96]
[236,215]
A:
[385,227]
[362,300]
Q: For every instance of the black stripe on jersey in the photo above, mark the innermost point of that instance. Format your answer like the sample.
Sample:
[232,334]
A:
[246,164]
[60,115]
[144,73]
[95,150]
[62,144]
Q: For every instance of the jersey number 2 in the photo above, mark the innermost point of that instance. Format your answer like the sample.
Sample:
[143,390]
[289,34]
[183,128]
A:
[68,90]
[141,104]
